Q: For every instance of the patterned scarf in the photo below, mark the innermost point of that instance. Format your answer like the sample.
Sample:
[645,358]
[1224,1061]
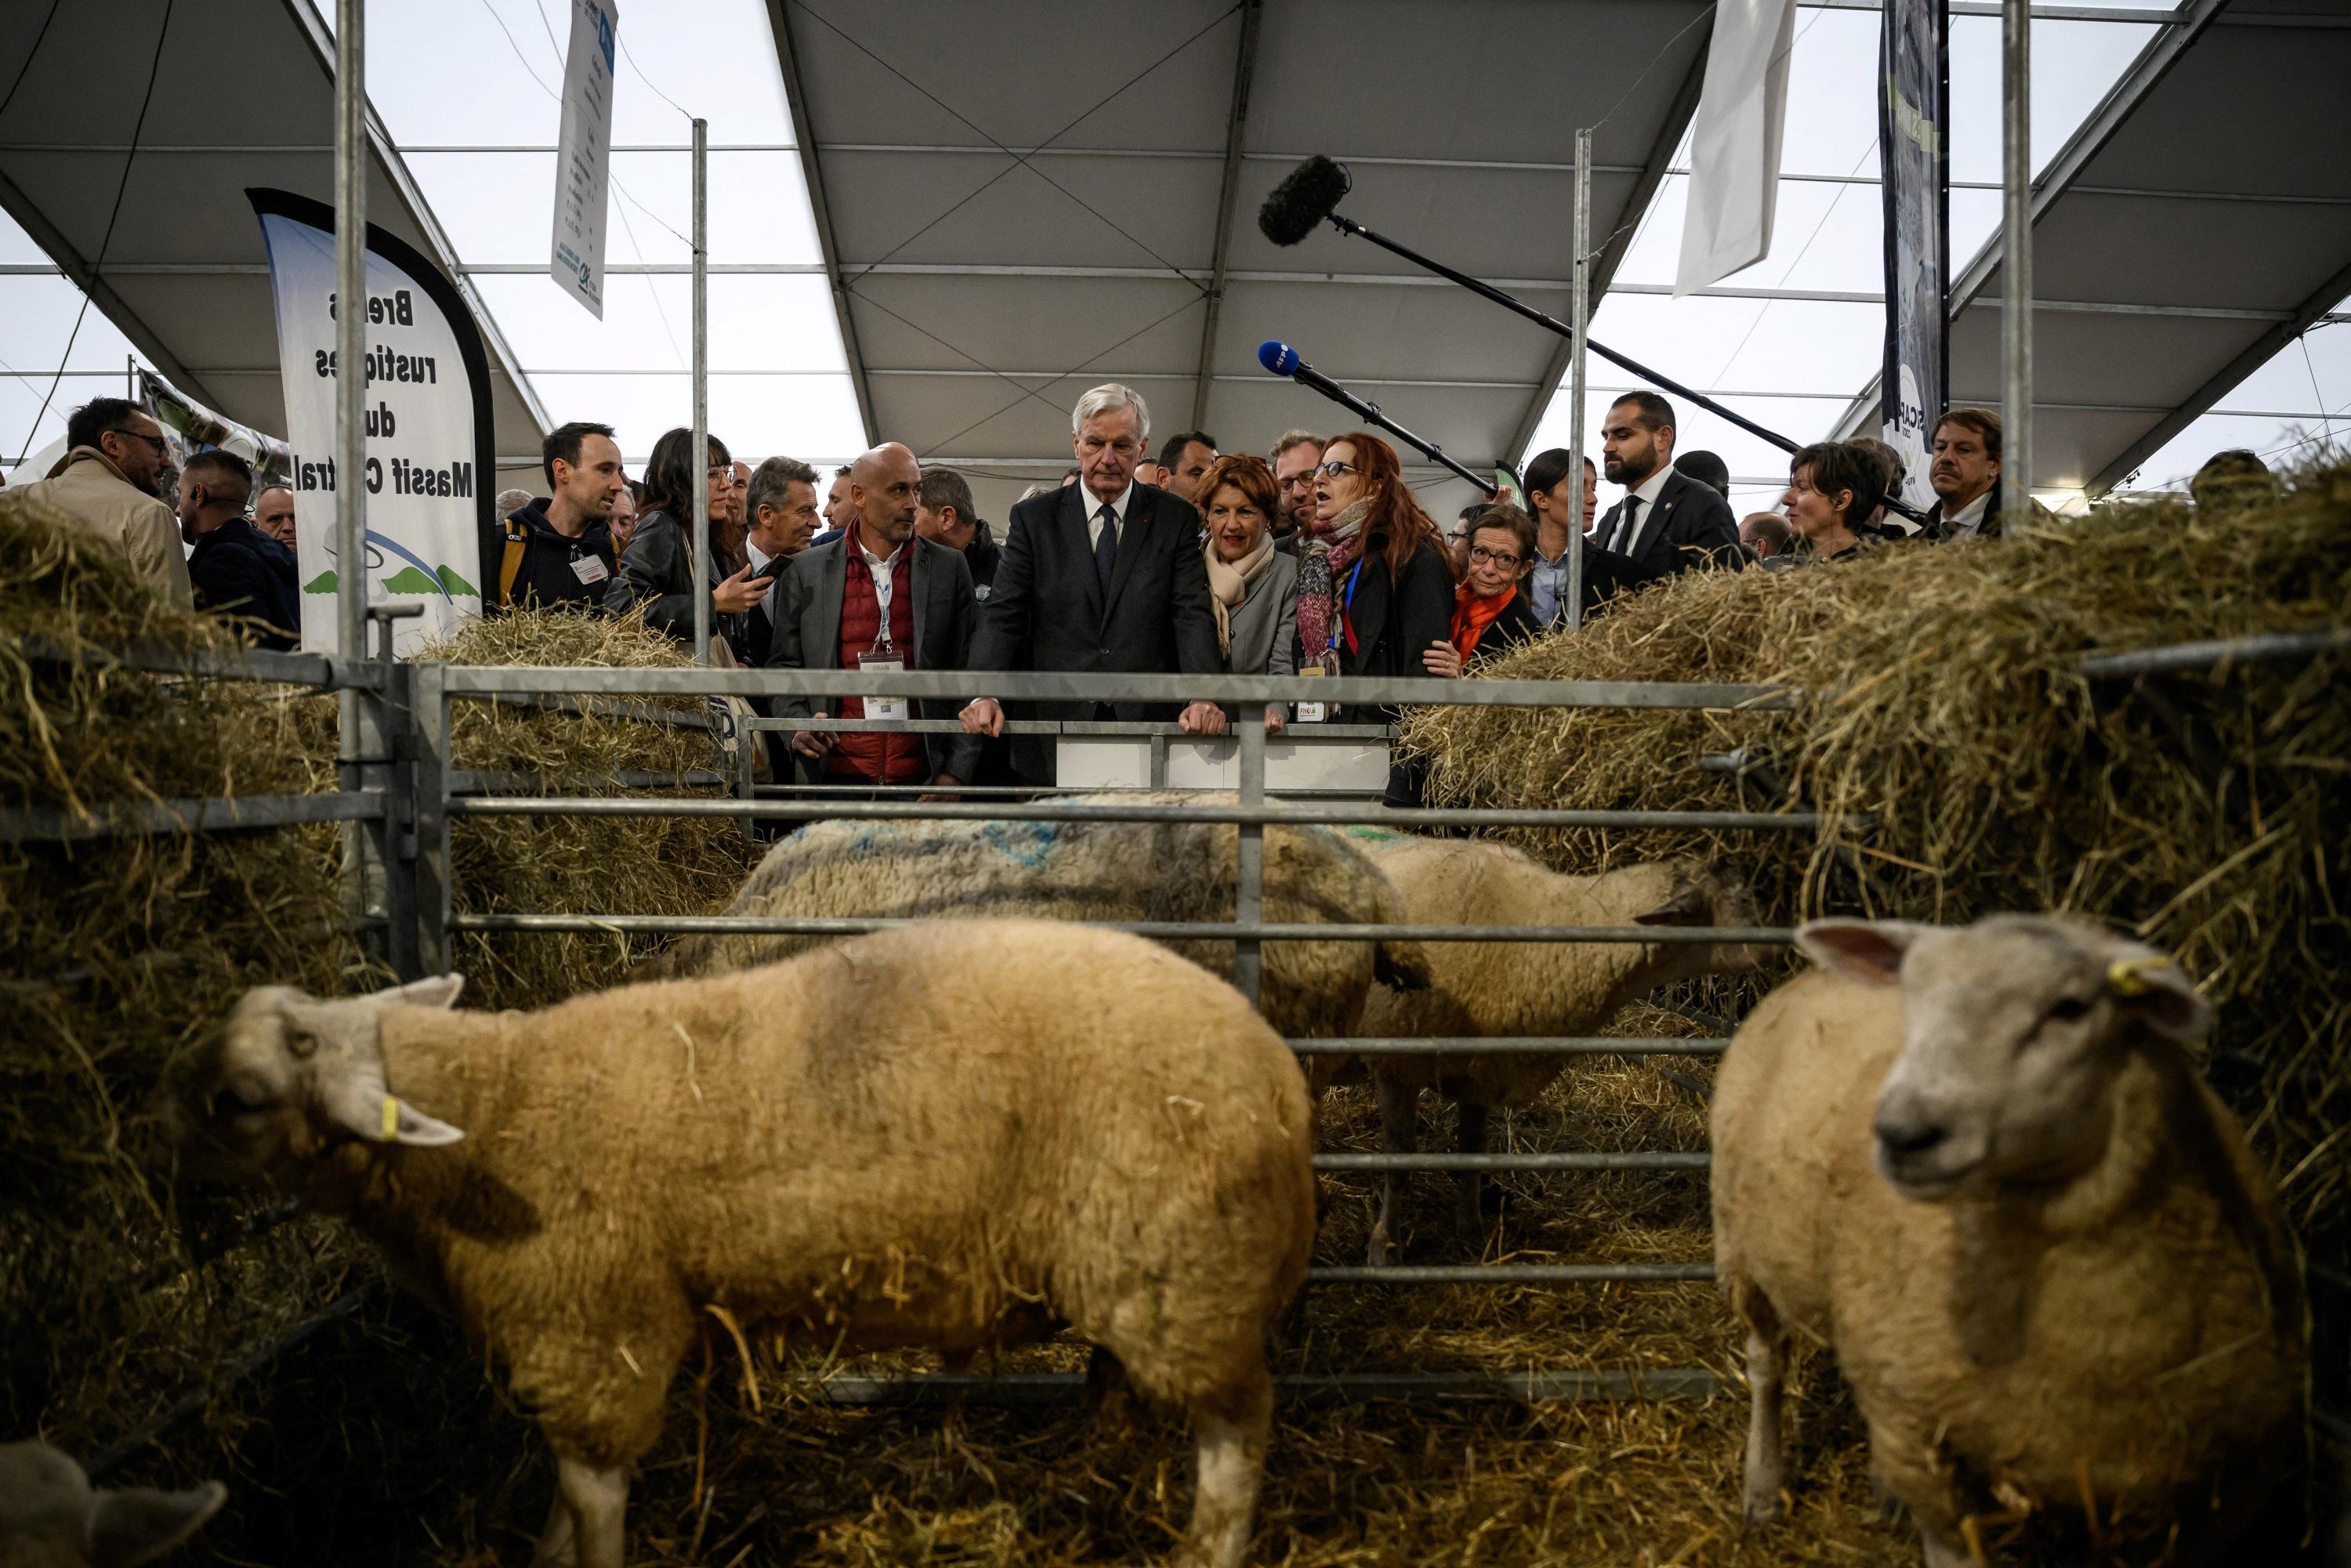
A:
[1322,565]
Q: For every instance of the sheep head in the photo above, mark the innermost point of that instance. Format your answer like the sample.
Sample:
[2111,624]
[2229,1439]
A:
[2012,1031]
[50,1516]
[1703,894]
[292,1076]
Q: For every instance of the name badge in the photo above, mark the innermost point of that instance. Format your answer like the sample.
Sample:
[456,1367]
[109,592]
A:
[1312,713]
[590,569]
[885,660]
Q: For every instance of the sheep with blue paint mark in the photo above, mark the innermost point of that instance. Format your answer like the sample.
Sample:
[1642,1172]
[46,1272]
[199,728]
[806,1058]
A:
[1122,870]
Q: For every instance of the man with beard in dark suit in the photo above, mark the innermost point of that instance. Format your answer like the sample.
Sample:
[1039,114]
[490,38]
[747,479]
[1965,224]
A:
[1667,522]
[1099,575]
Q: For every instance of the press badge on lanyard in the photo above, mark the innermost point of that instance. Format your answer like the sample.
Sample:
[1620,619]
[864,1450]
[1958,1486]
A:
[590,569]
[882,658]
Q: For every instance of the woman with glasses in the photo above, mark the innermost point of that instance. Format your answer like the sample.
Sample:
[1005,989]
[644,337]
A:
[653,570]
[1254,586]
[1489,609]
[1374,584]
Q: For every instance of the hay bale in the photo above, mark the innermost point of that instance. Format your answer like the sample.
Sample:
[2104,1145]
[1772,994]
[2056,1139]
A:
[554,865]
[115,956]
[1963,763]
[635,865]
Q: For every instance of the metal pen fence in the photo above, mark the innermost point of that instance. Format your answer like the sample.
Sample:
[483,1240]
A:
[401,792]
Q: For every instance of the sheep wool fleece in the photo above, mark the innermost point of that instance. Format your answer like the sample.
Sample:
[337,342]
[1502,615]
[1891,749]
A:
[2129,1340]
[1101,870]
[952,1137]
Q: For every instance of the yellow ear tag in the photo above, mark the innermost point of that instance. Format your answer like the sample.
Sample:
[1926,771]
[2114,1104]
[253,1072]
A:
[2127,976]
[391,1118]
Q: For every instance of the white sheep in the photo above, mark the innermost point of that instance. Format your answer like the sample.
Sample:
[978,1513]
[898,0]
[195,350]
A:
[946,1136]
[50,1516]
[1091,871]
[1505,988]
[1979,1166]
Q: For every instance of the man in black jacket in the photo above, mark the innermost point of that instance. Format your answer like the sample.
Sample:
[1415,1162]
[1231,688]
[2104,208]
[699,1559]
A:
[1099,575]
[235,569]
[556,552]
[1667,522]
[945,514]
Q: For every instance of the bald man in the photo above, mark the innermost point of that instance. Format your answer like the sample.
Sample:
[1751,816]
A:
[273,513]
[877,597]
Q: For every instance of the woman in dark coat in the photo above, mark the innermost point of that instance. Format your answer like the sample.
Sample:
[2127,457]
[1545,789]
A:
[654,568]
[1490,613]
[1374,584]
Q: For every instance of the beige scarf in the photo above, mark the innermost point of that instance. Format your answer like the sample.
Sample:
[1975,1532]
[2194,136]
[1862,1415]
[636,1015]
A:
[1229,584]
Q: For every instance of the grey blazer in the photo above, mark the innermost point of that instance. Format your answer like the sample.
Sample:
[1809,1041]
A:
[808,636]
[1265,623]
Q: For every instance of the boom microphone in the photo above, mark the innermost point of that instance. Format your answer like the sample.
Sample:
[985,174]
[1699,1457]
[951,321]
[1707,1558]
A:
[1304,199]
[1311,195]
[1284,361]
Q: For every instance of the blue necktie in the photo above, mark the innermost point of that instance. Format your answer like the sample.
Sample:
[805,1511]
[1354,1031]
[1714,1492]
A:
[1106,548]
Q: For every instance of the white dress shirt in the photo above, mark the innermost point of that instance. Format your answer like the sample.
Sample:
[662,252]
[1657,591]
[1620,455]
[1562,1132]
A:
[881,567]
[1648,490]
[1094,505]
[1969,518]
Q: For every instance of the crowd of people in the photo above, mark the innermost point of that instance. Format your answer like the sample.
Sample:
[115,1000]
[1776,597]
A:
[1315,559]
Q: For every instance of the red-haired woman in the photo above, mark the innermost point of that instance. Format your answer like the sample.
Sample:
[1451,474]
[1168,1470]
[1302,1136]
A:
[1252,585]
[1374,584]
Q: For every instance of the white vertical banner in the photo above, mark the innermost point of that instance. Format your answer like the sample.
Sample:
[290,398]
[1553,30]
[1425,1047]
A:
[583,158]
[429,460]
[1735,149]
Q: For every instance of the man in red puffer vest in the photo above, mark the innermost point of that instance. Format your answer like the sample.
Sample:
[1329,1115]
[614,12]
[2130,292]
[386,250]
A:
[877,596]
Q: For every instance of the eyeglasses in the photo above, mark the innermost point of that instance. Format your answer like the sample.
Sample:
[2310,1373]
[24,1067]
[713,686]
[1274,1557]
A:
[722,479]
[1332,470]
[155,440]
[1484,557]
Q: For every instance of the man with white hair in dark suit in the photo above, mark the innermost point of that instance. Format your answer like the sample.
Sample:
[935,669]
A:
[1099,575]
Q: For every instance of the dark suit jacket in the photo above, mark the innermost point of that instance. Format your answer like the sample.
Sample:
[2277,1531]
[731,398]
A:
[1691,526]
[1936,531]
[1046,609]
[808,637]
[237,569]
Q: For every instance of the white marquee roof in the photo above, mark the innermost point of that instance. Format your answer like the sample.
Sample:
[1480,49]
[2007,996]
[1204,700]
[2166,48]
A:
[935,223]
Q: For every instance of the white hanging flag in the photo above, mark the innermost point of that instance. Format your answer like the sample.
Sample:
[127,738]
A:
[583,159]
[426,383]
[1735,150]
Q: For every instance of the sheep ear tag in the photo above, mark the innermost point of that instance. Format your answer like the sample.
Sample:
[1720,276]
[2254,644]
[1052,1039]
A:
[2160,991]
[403,1123]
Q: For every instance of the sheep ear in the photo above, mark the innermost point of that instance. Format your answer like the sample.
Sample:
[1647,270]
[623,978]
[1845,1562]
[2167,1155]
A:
[360,1105]
[1688,906]
[2157,991]
[140,1525]
[437,991]
[1869,951]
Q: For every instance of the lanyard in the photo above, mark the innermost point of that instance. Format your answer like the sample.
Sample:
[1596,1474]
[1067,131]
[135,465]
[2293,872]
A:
[1336,622]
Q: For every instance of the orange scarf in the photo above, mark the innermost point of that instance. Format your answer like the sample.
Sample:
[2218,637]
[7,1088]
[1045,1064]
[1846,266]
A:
[1472,615]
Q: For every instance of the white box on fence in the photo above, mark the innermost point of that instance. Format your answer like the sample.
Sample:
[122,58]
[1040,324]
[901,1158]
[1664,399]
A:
[1354,760]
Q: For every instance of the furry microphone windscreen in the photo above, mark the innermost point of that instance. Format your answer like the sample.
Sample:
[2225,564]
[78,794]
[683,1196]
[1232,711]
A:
[1310,192]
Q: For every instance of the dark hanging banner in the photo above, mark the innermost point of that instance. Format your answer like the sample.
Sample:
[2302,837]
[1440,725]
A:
[1913,106]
